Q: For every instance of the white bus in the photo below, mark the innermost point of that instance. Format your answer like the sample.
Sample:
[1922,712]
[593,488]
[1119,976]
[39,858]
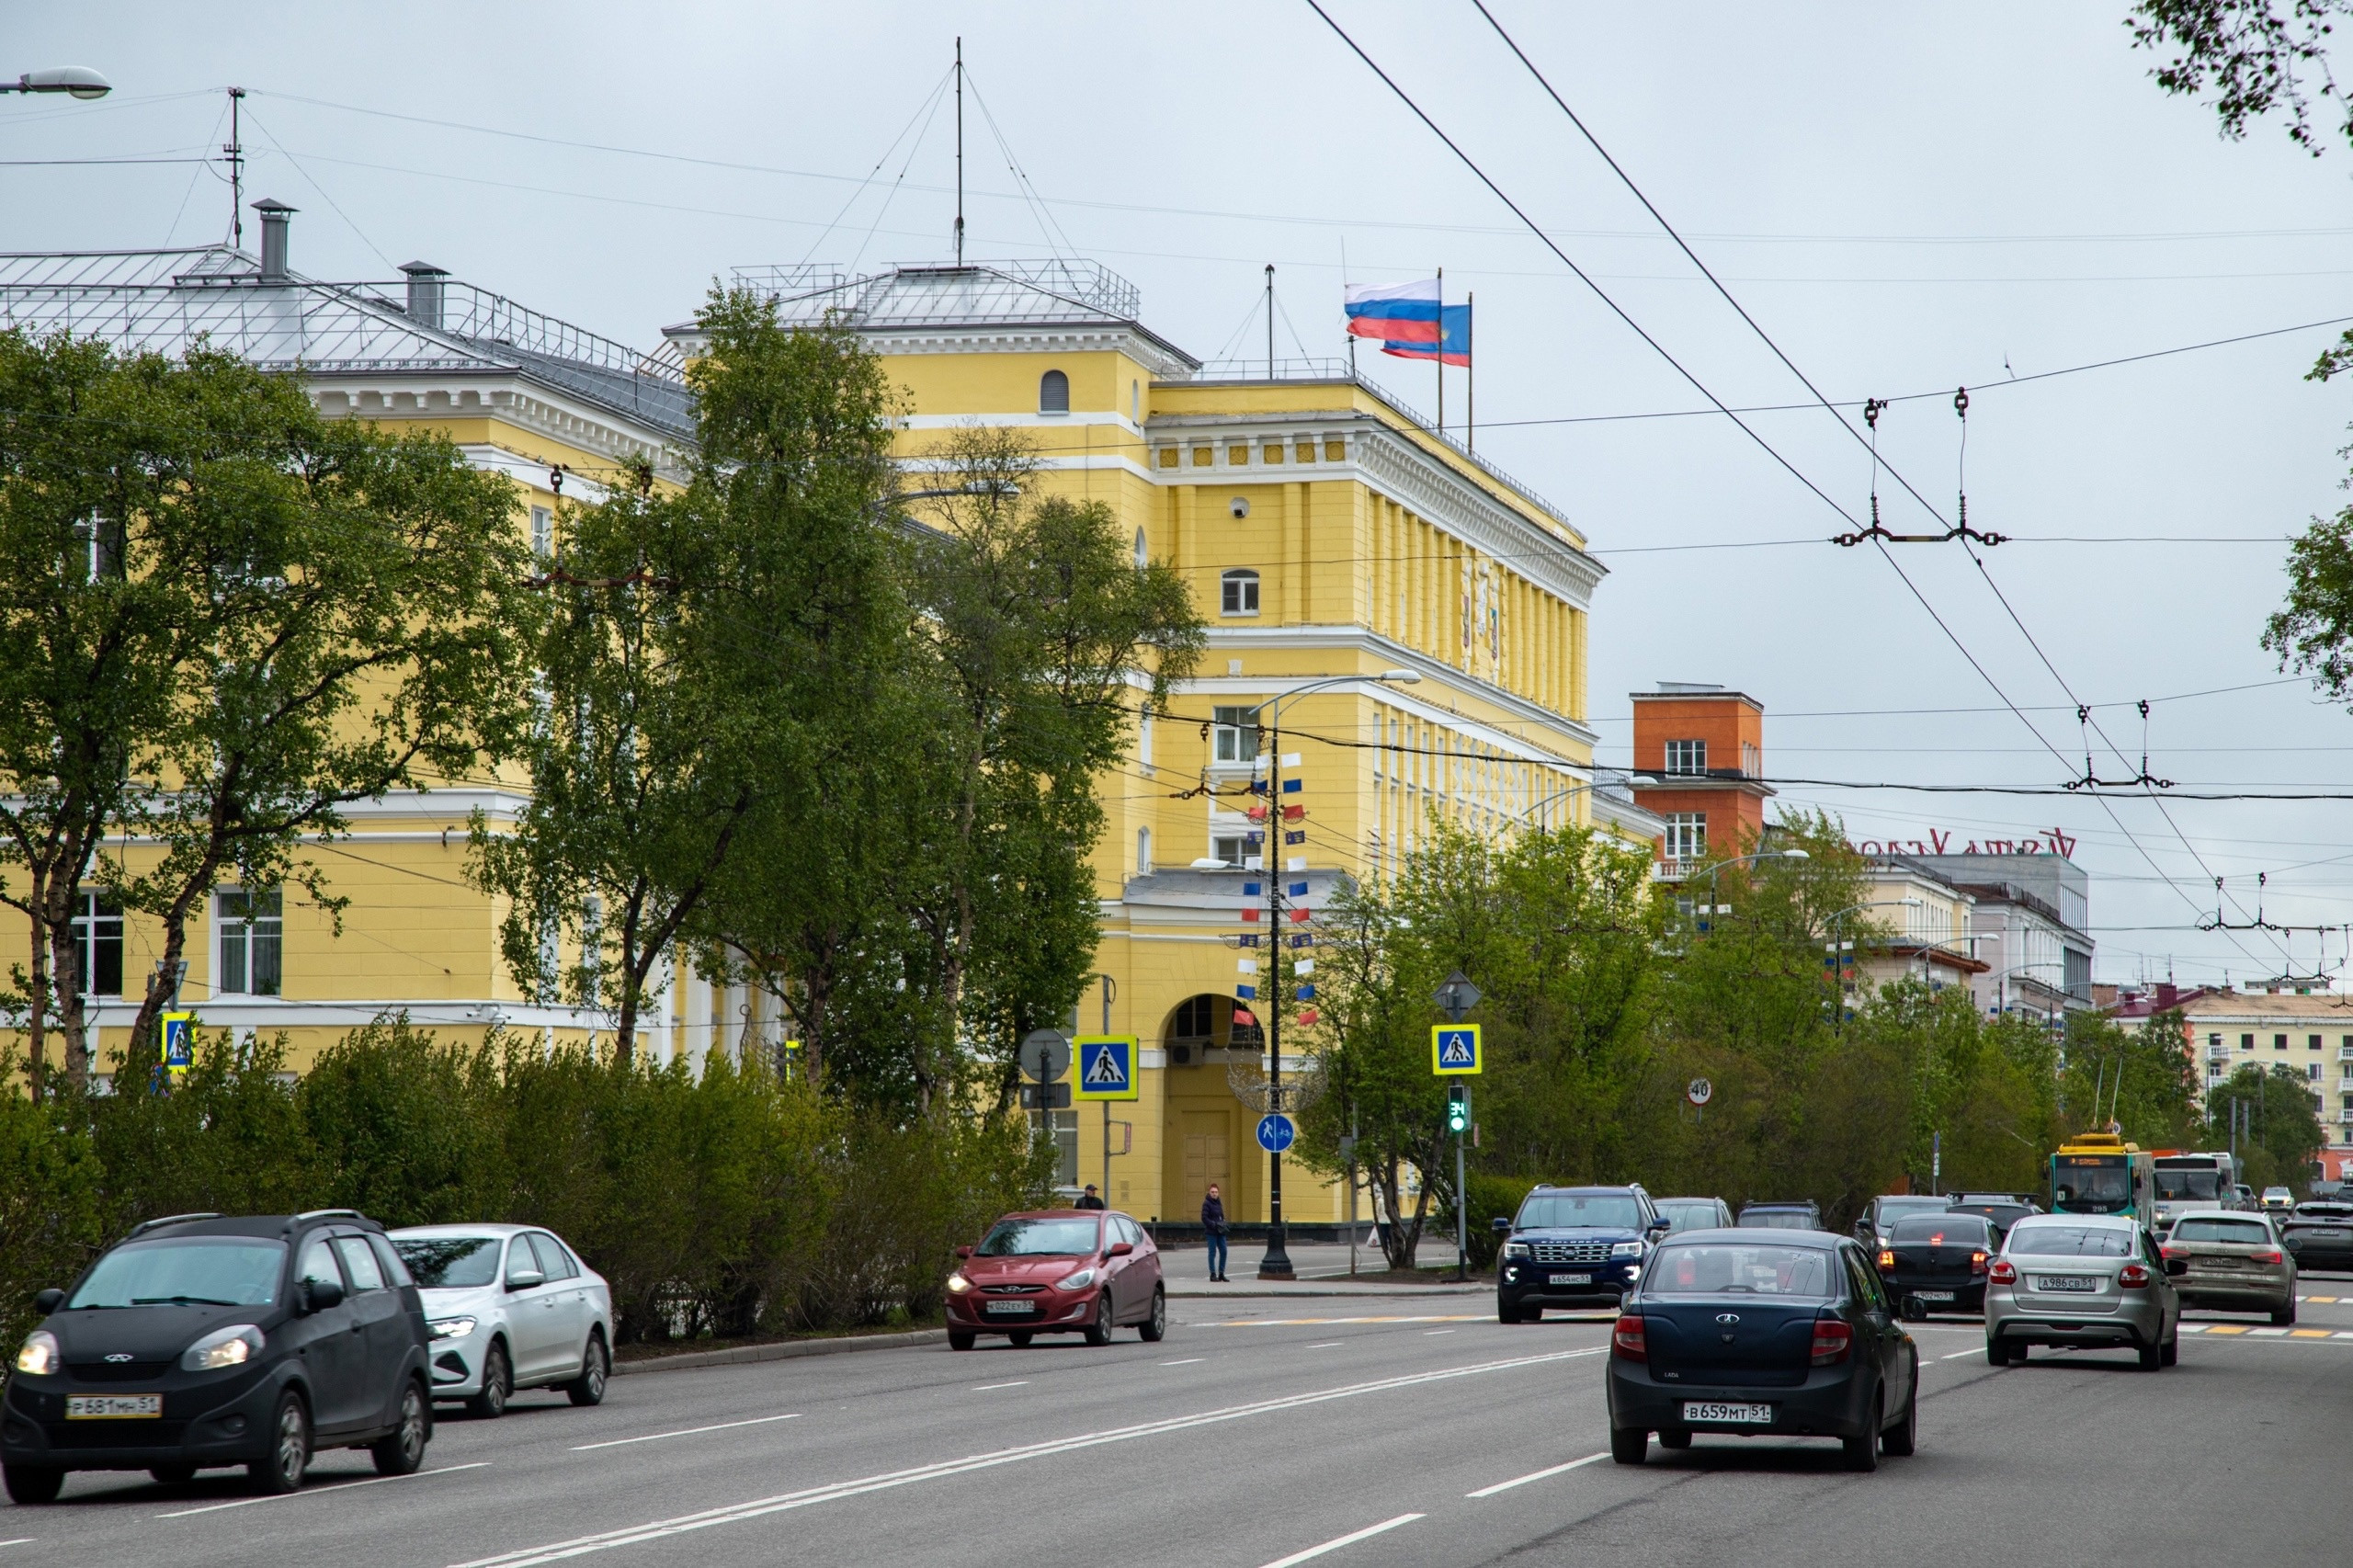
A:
[2194,1181]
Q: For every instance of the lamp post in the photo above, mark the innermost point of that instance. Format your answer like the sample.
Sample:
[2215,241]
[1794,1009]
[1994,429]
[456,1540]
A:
[78,80]
[1276,1265]
[1719,867]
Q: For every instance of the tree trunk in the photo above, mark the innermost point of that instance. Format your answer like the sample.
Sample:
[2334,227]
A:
[160,987]
[65,983]
[36,1003]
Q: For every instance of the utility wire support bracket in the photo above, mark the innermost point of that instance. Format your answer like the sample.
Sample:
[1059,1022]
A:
[2146,779]
[1873,408]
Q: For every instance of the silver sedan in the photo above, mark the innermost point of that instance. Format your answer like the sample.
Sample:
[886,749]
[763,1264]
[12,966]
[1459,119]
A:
[2082,1279]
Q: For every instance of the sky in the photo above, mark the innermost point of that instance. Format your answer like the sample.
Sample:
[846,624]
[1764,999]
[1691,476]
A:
[1908,200]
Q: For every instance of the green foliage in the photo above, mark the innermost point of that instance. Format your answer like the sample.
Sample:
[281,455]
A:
[2281,1136]
[51,1204]
[2255,58]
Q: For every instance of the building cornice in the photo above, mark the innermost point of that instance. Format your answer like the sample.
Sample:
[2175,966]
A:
[515,397]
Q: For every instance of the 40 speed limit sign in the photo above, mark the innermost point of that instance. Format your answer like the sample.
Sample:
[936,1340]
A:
[1701,1092]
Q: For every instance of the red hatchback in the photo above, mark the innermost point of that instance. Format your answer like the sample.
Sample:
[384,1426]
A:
[1057,1271]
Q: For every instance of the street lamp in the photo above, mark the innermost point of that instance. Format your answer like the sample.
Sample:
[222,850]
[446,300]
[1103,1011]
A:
[78,80]
[2001,995]
[1276,1265]
[1718,869]
[1837,920]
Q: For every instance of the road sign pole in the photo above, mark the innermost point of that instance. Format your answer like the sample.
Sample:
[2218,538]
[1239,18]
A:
[1462,1210]
[1276,1264]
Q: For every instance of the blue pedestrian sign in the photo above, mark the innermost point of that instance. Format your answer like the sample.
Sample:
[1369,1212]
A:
[179,1044]
[1107,1067]
[1276,1131]
[1454,1048]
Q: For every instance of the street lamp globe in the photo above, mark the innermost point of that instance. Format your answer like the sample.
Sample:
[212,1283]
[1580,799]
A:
[78,80]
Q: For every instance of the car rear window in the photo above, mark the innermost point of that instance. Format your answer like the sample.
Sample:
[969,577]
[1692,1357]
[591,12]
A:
[1039,1238]
[225,1271]
[2001,1216]
[1892,1209]
[1599,1210]
[2070,1241]
[1734,1268]
[1776,1220]
[1690,1216]
[449,1262]
[2238,1233]
[1940,1230]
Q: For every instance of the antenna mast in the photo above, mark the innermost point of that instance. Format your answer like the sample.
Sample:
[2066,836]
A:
[959,151]
[237,151]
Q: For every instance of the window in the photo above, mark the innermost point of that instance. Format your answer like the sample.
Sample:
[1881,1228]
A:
[252,927]
[1143,552]
[555,1261]
[1143,852]
[542,533]
[1687,756]
[2279,1043]
[2215,1041]
[1143,743]
[1235,849]
[1238,593]
[1065,1127]
[318,1264]
[1235,733]
[1687,835]
[2312,1042]
[2311,1071]
[1194,1020]
[1135,402]
[2246,1042]
[1053,392]
[97,940]
[103,547]
[359,1263]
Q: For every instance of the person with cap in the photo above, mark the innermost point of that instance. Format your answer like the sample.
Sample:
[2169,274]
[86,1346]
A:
[1213,1229]
[1090,1198]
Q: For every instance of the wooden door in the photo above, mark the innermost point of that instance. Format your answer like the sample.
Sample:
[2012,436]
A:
[1208,1158]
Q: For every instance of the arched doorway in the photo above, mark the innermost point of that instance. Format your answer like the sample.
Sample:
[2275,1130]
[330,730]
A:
[1204,1135]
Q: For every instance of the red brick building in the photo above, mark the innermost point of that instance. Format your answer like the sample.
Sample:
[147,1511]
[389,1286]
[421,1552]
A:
[1700,764]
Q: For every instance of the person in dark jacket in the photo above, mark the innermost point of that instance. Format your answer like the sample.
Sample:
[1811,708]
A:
[1090,1198]
[1213,1227]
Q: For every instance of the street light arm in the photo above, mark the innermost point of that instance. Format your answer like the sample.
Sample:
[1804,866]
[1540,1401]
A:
[78,80]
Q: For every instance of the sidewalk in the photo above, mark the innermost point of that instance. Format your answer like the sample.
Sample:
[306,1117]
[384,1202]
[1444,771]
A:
[1322,1267]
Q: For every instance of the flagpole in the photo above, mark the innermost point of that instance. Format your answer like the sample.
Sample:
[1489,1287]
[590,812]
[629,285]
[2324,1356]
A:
[1470,367]
[1441,351]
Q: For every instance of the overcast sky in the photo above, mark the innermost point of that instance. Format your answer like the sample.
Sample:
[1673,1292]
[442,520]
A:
[1909,198]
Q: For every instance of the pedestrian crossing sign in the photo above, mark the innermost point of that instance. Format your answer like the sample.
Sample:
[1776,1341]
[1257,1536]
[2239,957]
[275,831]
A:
[1454,1049]
[1107,1067]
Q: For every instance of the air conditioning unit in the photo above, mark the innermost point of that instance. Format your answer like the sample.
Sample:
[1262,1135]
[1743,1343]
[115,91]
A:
[1180,1056]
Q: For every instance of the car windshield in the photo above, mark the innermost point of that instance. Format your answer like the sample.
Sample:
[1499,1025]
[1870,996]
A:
[1892,1209]
[211,1271]
[1597,1210]
[1690,1216]
[1776,1220]
[449,1262]
[2190,1185]
[2092,1178]
[2070,1241]
[1039,1238]
[2209,1228]
[1721,1269]
[2001,1216]
[1940,1230]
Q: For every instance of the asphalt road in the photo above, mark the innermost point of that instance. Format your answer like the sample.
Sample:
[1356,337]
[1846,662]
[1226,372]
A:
[1261,1430]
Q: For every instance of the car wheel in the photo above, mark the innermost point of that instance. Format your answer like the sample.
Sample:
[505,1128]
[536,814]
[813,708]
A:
[1862,1453]
[2152,1357]
[2172,1351]
[401,1452]
[1671,1439]
[1996,1353]
[280,1471]
[1099,1327]
[1154,1327]
[1902,1439]
[1021,1337]
[173,1474]
[1629,1445]
[962,1339]
[2285,1315]
[497,1383]
[596,1366]
[32,1486]
[1506,1312]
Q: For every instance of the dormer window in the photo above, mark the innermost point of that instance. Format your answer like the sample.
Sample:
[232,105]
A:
[1053,392]
[1238,593]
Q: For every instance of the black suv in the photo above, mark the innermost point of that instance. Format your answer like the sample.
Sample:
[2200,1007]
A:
[1573,1246]
[198,1342]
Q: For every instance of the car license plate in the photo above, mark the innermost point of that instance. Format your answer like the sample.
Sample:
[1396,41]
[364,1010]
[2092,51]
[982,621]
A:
[1572,1278]
[1737,1415]
[113,1406]
[1934,1295]
[2065,1282]
[2329,1235]
[1013,1309]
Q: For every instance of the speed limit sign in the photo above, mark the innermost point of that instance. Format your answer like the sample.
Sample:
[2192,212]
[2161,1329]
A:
[1701,1092]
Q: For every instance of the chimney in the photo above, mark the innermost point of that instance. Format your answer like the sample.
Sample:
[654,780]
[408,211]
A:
[424,281]
[273,238]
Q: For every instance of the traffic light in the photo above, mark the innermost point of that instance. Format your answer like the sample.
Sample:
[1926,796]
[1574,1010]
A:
[1458,1107]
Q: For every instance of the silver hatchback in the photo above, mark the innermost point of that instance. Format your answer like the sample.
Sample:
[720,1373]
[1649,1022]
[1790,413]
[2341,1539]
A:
[2082,1279]
[2235,1262]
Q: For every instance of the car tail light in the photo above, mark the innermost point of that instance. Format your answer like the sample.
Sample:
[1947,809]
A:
[1626,1342]
[2132,1276]
[1832,1341]
[1977,1262]
[2266,1257]
[2003,1272]
[2169,1252]
[1887,1259]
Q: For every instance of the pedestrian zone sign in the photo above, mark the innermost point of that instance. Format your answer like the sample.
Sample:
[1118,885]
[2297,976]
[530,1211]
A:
[179,1044]
[1454,1048]
[1107,1067]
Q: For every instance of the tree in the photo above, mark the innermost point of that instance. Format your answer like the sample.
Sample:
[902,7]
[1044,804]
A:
[2277,1116]
[2254,59]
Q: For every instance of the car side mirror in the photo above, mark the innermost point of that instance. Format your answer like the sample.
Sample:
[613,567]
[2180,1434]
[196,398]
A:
[2176,1267]
[963,1251]
[523,1279]
[1862,1230]
[1121,1249]
[320,1295]
[1661,1227]
[1500,1224]
[49,1301]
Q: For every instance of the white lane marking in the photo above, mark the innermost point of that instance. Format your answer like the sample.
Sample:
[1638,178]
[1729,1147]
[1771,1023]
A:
[325,1491]
[1428,1332]
[1958,1355]
[1334,1345]
[1015,1383]
[1537,1475]
[1348,1540]
[684,1432]
[2269,1333]
[1187,1361]
[20,1540]
[655,1530]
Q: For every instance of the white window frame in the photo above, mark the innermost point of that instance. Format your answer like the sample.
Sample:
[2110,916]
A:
[1143,852]
[1233,734]
[1687,835]
[238,935]
[1048,379]
[1237,592]
[1687,759]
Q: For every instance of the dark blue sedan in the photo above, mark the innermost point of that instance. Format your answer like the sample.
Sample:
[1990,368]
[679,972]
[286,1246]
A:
[1782,1333]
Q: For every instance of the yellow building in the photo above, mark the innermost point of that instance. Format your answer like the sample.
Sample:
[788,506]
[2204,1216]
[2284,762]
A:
[552,406]
[1331,536]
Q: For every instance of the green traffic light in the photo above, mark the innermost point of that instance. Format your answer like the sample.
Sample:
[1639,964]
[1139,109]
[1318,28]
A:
[1458,1108]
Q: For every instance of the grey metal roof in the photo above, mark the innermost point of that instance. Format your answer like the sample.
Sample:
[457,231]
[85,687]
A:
[166,302]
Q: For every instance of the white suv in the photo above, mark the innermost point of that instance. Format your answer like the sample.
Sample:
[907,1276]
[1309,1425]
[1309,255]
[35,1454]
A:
[510,1307]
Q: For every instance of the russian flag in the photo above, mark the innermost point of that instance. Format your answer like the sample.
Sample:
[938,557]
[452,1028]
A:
[1451,345]
[1396,313]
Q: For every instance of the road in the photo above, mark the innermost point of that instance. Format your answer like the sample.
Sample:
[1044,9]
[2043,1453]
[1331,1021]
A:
[1261,1430]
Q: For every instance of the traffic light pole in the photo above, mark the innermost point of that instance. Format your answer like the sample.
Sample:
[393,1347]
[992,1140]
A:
[1276,1263]
[1461,1208]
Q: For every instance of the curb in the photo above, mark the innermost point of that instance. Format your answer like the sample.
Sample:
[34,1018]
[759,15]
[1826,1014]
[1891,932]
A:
[783,1350]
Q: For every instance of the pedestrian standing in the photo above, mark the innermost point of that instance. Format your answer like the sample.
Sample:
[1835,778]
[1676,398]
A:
[1090,1198]
[1213,1227]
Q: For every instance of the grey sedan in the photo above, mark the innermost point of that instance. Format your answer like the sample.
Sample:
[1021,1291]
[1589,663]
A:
[2082,1279]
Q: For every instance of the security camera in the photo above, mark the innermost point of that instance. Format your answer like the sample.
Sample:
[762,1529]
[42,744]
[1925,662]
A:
[1238,507]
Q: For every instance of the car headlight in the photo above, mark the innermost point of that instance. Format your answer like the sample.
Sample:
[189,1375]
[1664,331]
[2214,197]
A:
[957,1284]
[1627,1249]
[231,1347]
[451,1328]
[41,1356]
[1079,1281]
[1516,1249]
